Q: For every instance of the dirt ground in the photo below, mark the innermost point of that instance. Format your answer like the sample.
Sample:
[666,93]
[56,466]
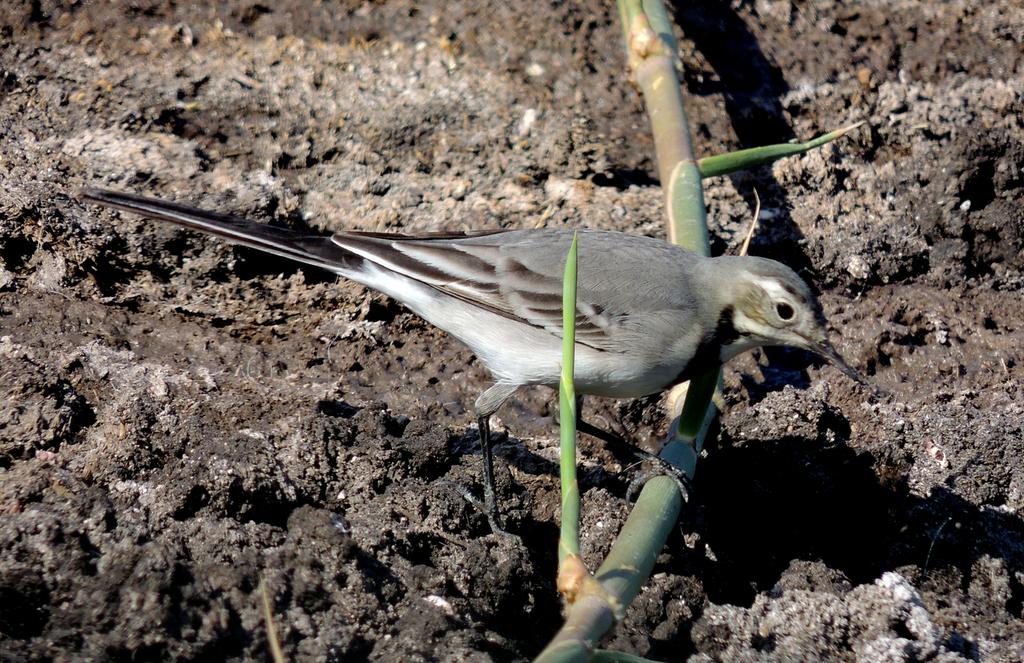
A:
[181,420]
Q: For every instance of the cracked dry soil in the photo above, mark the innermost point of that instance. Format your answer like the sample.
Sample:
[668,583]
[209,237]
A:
[181,420]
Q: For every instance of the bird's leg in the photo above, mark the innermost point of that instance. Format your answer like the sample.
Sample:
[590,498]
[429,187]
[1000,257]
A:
[486,405]
[490,506]
[619,447]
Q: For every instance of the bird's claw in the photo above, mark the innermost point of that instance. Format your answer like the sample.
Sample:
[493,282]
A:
[662,468]
[488,506]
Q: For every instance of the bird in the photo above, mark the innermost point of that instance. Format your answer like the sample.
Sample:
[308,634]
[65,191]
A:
[649,314]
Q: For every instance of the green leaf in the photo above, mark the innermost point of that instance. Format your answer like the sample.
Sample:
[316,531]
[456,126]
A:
[722,164]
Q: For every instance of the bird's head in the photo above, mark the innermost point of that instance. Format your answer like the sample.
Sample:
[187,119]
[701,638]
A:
[771,305]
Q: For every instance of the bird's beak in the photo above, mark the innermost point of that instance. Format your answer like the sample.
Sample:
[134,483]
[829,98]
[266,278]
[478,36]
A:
[825,349]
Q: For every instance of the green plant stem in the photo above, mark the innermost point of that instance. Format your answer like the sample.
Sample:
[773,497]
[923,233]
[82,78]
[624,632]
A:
[652,53]
[653,67]
[569,541]
[651,50]
[689,430]
[622,574]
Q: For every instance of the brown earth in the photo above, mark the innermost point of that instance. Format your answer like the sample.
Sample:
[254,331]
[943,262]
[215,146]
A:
[182,420]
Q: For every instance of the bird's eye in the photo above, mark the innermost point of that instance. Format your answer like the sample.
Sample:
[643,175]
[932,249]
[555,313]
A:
[784,310]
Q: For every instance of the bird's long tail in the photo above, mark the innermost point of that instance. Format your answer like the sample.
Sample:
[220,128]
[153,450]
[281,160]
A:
[312,249]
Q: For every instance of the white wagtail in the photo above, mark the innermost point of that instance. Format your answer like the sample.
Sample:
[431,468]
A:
[648,314]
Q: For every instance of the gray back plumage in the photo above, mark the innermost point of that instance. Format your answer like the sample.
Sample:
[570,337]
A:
[623,281]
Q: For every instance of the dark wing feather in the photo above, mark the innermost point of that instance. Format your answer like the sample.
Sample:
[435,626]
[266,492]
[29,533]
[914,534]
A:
[308,248]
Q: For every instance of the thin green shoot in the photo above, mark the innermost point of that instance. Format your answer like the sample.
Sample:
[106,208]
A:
[569,541]
[723,164]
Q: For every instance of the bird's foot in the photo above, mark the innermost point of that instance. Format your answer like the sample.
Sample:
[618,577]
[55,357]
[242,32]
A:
[488,506]
[661,468]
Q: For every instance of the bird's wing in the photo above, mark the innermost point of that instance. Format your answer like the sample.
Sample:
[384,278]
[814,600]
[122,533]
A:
[518,274]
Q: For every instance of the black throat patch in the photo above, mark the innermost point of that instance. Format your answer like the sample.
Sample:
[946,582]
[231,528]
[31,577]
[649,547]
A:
[709,351]
[725,330]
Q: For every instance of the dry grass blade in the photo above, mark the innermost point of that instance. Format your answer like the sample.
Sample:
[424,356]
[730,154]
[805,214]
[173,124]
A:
[753,225]
[276,653]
